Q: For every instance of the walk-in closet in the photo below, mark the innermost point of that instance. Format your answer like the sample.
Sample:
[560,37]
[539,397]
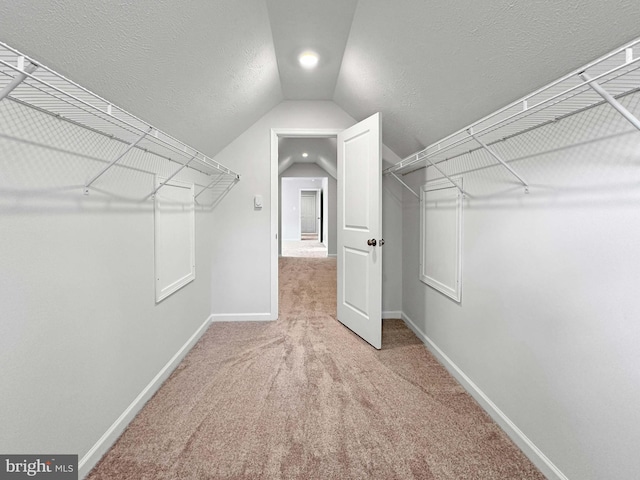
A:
[301,239]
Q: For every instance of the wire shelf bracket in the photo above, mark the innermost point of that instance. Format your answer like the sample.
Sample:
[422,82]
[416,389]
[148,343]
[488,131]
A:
[633,120]
[455,184]
[499,159]
[113,162]
[19,77]
[152,194]
[404,184]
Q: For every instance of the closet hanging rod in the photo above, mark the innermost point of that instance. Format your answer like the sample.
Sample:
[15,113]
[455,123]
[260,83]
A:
[159,138]
[524,110]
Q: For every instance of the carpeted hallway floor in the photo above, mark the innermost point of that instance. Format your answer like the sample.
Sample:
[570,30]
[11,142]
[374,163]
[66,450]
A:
[303,248]
[304,398]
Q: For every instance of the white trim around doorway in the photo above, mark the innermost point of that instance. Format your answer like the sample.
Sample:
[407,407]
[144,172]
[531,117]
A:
[275,134]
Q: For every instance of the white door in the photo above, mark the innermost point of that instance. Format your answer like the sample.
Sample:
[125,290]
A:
[308,215]
[359,228]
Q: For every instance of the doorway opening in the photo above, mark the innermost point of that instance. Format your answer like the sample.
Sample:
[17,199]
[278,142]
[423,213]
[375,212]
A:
[304,223]
[304,186]
[358,154]
[310,218]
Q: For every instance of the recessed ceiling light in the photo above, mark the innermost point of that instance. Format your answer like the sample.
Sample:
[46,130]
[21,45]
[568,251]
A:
[308,59]
[305,154]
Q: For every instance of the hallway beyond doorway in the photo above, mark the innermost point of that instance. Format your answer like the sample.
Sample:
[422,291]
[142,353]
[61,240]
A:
[303,248]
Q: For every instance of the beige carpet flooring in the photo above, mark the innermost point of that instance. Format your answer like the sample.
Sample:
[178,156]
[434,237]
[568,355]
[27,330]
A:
[303,248]
[304,398]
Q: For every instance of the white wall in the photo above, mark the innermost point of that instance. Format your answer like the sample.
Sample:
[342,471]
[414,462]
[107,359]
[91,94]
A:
[81,335]
[548,324]
[243,233]
[290,204]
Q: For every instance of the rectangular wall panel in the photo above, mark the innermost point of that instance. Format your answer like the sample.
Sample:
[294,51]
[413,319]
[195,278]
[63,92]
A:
[174,237]
[441,237]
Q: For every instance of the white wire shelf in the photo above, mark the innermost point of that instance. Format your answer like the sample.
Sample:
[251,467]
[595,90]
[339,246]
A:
[32,84]
[616,74]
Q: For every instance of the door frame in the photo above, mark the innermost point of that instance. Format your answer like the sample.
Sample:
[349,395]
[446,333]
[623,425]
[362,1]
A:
[317,197]
[275,191]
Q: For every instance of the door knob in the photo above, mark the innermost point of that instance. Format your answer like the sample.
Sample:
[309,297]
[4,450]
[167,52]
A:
[372,242]
[381,242]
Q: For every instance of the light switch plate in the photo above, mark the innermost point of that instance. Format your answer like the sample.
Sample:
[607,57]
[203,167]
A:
[257,201]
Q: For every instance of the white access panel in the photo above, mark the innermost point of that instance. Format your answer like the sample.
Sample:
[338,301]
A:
[174,237]
[359,228]
[441,237]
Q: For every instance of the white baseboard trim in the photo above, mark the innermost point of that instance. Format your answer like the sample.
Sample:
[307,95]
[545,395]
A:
[332,254]
[391,314]
[539,459]
[242,317]
[102,446]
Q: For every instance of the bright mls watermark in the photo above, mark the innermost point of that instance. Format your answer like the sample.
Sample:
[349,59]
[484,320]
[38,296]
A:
[46,467]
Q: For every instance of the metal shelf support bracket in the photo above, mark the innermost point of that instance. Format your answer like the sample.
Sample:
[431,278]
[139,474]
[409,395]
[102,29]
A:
[404,184]
[19,78]
[633,120]
[171,176]
[499,159]
[447,176]
[120,157]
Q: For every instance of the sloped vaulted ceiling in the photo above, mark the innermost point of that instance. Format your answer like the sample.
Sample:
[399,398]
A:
[433,67]
[204,71]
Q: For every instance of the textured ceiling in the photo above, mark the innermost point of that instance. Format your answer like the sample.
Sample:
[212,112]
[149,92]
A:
[433,67]
[204,71]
